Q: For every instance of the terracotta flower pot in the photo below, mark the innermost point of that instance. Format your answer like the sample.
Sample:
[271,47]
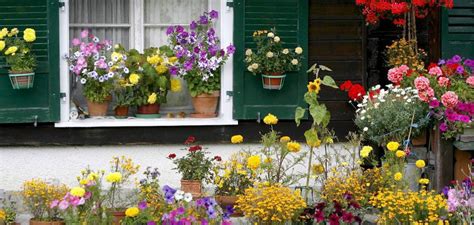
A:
[225,201]
[98,108]
[37,222]
[149,109]
[117,217]
[192,186]
[121,111]
[273,81]
[205,105]
[420,140]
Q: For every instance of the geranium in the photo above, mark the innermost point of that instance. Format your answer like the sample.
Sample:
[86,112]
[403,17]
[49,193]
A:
[355,92]
[395,75]
[449,99]
[346,86]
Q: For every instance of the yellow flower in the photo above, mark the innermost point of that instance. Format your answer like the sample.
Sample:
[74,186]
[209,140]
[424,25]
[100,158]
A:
[398,176]
[132,212]
[393,146]
[3,33]
[424,181]
[329,140]
[161,69]
[114,177]
[285,139]
[293,146]
[270,119]
[364,153]
[2,214]
[253,162]
[83,181]
[77,191]
[298,50]
[11,50]
[116,56]
[134,78]
[175,85]
[152,98]
[315,143]
[420,163]
[313,87]
[13,32]
[2,45]
[29,35]
[236,139]
[92,176]
[317,169]
[400,154]
[155,59]
[173,59]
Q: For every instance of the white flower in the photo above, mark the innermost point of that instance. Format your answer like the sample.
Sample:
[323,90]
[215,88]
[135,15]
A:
[269,54]
[365,129]
[397,95]
[376,105]
[248,52]
[409,100]
[110,74]
[270,35]
[110,64]
[96,39]
[363,111]
[83,80]
[298,50]
[101,79]
[125,70]
[285,51]
[179,195]
[188,197]
[276,39]
[362,118]
[249,68]
[254,66]
[96,57]
[294,62]
[116,46]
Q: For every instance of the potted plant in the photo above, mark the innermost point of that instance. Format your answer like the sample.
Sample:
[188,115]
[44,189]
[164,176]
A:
[92,64]
[271,59]
[200,59]
[19,56]
[37,196]
[8,211]
[194,167]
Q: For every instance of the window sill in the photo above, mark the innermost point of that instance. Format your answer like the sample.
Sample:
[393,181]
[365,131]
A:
[139,122]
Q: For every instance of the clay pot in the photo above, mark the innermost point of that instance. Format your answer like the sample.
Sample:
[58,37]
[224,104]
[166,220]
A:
[273,81]
[117,217]
[225,201]
[149,109]
[420,140]
[98,108]
[37,222]
[192,186]
[121,111]
[205,105]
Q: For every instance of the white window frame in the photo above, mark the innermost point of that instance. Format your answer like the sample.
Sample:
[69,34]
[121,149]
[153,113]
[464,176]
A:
[225,30]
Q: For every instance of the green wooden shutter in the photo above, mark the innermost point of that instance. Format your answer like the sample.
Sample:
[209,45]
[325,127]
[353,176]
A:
[458,30]
[290,18]
[41,101]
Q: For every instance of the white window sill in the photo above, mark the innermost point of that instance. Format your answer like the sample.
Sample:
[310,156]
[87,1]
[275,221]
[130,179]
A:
[140,122]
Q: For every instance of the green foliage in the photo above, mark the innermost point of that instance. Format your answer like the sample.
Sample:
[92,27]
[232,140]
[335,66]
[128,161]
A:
[96,91]
[195,165]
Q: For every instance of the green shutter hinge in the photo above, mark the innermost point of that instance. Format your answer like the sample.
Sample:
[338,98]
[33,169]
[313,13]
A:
[230,3]
[61,4]
[230,93]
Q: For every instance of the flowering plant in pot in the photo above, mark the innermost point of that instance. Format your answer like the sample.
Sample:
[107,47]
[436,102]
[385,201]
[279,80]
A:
[149,191]
[8,211]
[194,167]
[200,58]
[38,195]
[93,64]
[460,199]
[19,56]
[123,87]
[271,59]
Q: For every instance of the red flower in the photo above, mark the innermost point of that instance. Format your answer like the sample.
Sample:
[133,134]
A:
[334,219]
[371,17]
[319,216]
[361,2]
[347,217]
[356,92]
[399,8]
[190,140]
[432,65]
[419,3]
[399,22]
[346,85]
[217,158]
[409,72]
[171,156]
[449,4]
[195,148]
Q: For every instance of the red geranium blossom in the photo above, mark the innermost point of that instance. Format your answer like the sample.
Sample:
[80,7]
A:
[171,156]
[217,158]
[190,140]
[399,8]
[195,148]
[356,92]
[346,85]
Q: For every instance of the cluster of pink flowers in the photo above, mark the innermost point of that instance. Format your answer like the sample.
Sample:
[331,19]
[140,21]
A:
[395,75]
[425,91]
[70,200]
[449,99]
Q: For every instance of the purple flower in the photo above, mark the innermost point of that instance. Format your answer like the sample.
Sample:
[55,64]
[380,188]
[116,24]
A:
[170,30]
[204,222]
[188,65]
[214,14]
[179,29]
[463,118]
[84,33]
[470,63]
[76,42]
[460,70]
[193,25]
[230,49]
[445,191]
[173,71]
[441,62]
[203,20]
[180,210]
[200,202]
[456,58]
[434,103]
[151,222]
[443,127]
[142,205]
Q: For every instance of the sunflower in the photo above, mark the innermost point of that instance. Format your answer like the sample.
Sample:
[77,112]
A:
[313,87]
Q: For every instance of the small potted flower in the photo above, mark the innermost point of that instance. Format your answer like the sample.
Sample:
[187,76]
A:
[37,196]
[8,211]
[271,59]
[92,64]
[19,56]
[200,59]
[123,88]
[194,167]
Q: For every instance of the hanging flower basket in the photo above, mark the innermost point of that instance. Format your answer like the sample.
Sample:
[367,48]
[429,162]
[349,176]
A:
[273,82]
[22,80]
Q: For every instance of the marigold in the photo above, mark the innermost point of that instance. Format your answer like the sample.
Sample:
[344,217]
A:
[398,176]
[134,78]
[29,35]
[161,69]
[155,59]
[2,45]
[253,162]
[175,85]
[77,191]
[364,153]
[152,98]
[285,139]
[236,139]
[114,177]
[2,214]
[400,154]
[420,163]
[293,146]
[270,119]
[132,212]
[11,50]
[424,181]
[393,146]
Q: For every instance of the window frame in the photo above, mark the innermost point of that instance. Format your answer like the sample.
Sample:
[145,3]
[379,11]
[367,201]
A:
[225,112]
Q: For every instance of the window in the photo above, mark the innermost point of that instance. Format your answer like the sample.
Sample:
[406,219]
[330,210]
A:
[140,24]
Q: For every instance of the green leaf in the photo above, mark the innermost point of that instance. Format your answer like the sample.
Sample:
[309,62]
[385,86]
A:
[318,112]
[328,81]
[326,119]
[162,82]
[311,98]
[299,114]
[311,136]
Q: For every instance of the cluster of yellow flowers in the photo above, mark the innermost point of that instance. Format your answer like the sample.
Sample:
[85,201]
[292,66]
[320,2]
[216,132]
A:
[161,61]
[237,139]
[38,194]
[270,119]
[314,86]
[29,35]
[402,52]
[293,146]
[270,204]
[3,215]
[407,207]
[233,176]
[253,162]
[365,151]
[122,168]
[132,212]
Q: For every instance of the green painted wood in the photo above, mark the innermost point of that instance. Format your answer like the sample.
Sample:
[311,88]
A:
[41,101]
[290,18]
[457,29]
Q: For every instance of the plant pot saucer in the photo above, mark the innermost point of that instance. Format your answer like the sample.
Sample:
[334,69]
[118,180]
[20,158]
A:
[148,116]
[121,117]
[202,115]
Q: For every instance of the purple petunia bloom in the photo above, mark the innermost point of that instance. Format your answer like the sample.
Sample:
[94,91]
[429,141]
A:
[230,49]
[142,205]
[180,211]
[460,70]
[204,222]
[173,70]
[463,118]
[443,127]
[170,30]
[188,65]
[456,58]
[203,20]
[151,223]
[434,103]
[179,29]
[193,25]
[214,14]
[441,62]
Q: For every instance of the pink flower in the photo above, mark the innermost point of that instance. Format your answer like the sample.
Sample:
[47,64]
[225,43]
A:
[63,205]
[426,95]
[395,76]
[422,83]
[443,81]
[76,42]
[470,81]
[435,71]
[449,99]
[84,33]
[53,204]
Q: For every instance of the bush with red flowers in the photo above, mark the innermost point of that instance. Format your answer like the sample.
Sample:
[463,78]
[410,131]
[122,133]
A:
[195,165]
[354,91]
[335,213]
